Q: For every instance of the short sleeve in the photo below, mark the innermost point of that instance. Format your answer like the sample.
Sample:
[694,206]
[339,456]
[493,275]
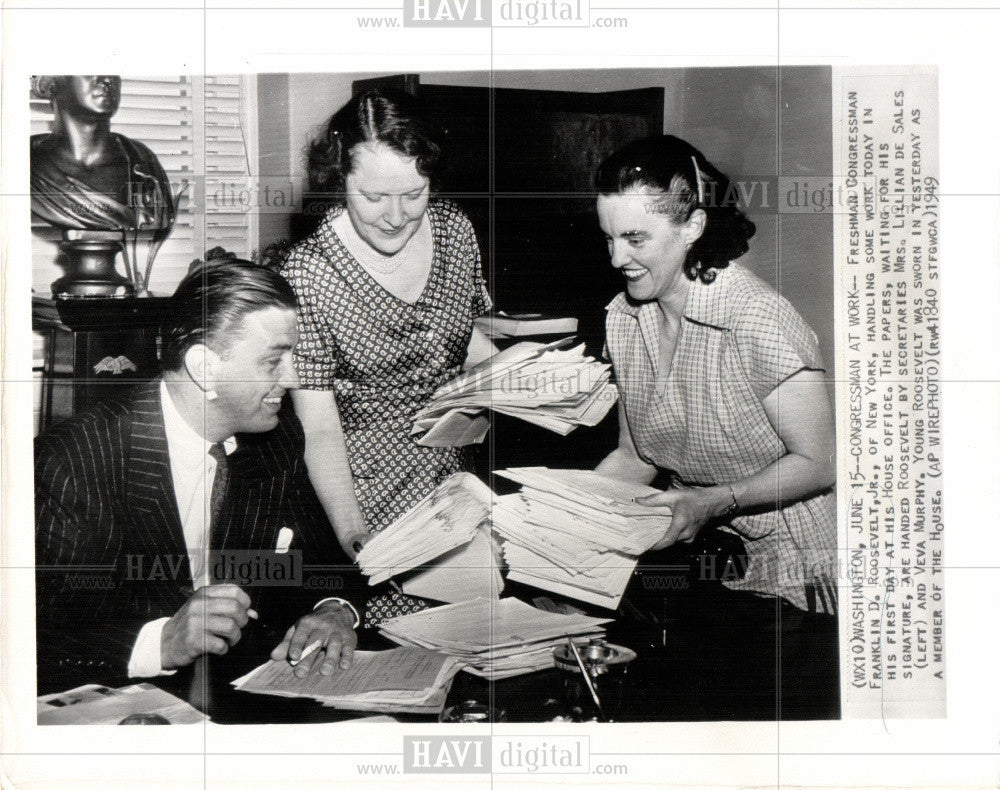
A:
[774,342]
[314,360]
[469,251]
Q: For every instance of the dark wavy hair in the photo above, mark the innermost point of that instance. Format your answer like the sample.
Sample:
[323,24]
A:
[394,118]
[687,181]
[211,302]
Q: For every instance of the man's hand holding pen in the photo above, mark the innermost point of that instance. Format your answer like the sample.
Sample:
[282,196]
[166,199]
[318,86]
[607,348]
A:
[211,621]
[331,625]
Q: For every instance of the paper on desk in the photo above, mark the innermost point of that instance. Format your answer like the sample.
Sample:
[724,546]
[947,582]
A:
[602,583]
[583,503]
[457,428]
[93,704]
[549,385]
[483,624]
[430,538]
[497,365]
[469,571]
[619,495]
[75,696]
[501,324]
[495,639]
[430,705]
[576,532]
[405,669]
[388,670]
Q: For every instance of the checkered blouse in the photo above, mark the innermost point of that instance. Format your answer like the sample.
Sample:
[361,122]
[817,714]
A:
[738,341]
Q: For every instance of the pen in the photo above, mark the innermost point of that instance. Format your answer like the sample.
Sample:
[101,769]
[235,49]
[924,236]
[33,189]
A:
[586,678]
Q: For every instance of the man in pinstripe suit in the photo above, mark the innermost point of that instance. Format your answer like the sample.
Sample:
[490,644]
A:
[145,505]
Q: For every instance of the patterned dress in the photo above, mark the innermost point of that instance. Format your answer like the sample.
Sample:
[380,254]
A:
[706,422]
[383,357]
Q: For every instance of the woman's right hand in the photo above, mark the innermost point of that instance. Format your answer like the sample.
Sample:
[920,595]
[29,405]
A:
[691,509]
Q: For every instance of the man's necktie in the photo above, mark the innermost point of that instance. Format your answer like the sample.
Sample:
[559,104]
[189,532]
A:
[201,696]
[219,486]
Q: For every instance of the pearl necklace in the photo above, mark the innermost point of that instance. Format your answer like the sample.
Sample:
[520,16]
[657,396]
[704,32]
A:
[372,259]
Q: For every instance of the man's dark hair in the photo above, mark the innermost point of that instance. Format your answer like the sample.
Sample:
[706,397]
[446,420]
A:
[210,304]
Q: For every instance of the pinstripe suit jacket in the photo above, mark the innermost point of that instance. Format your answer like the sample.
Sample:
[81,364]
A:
[109,545]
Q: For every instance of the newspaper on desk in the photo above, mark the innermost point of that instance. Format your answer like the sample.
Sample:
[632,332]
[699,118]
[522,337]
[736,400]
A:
[547,384]
[404,680]
[446,536]
[95,704]
[576,532]
[494,638]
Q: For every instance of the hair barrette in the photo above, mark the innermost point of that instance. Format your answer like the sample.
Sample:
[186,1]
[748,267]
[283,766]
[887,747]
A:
[697,179]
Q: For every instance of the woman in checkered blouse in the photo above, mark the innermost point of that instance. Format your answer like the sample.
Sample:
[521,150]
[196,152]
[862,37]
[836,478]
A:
[721,380]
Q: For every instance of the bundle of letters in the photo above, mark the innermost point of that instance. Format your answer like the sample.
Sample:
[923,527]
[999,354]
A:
[494,638]
[403,680]
[575,532]
[446,538]
[549,385]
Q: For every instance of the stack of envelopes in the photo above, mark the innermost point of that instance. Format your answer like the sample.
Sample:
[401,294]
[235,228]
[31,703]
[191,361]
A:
[404,680]
[549,385]
[494,638]
[575,532]
[446,538]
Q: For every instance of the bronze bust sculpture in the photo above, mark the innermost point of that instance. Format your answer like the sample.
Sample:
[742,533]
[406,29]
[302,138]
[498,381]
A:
[104,191]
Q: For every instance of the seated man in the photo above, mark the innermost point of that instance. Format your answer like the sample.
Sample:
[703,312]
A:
[171,522]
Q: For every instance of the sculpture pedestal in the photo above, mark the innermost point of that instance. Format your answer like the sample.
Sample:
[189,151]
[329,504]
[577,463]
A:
[113,345]
[89,257]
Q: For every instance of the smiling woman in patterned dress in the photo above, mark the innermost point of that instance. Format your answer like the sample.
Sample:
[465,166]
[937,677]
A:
[388,286]
[721,380]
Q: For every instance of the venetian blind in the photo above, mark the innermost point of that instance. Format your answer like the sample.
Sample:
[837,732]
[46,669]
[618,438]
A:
[202,129]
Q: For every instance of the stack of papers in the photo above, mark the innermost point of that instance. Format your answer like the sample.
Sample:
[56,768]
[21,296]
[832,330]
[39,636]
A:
[501,324]
[496,639]
[404,680]
[549,385]
[94,704]
[447,537]
[576,532]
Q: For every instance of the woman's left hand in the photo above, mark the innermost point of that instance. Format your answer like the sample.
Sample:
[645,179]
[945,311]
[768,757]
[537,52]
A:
[692,508]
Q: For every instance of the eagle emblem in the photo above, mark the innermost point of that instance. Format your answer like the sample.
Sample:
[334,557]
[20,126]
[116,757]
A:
[115,365]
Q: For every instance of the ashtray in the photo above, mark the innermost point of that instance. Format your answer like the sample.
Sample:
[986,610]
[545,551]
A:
[598,656]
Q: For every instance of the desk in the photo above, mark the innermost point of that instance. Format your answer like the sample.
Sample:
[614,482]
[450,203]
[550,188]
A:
[714,659]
